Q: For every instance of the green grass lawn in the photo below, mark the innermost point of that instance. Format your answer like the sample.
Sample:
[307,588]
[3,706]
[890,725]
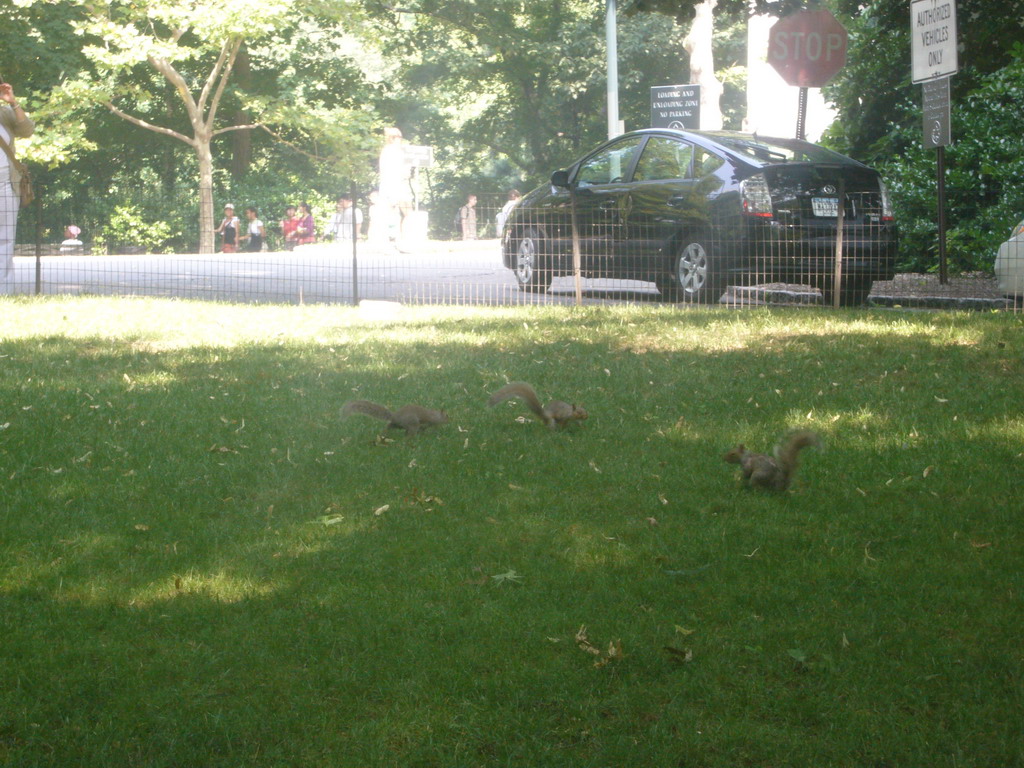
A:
[201,564]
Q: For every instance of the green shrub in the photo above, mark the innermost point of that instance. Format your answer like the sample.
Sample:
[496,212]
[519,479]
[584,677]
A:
[985,164]
[129,227]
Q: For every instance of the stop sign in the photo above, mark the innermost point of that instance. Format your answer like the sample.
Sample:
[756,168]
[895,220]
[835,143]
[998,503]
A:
[807,48]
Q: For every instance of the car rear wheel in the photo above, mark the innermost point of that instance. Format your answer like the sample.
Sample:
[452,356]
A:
[529,267]
[693,275]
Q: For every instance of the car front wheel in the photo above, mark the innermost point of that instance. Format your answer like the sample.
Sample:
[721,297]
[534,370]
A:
[693,275]
[528,264]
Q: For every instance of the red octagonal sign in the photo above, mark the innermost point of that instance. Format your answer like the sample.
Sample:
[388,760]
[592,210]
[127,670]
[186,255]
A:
[807,48]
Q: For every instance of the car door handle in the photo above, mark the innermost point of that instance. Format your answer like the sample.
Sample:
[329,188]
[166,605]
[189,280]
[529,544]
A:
[609,205]
[678,201]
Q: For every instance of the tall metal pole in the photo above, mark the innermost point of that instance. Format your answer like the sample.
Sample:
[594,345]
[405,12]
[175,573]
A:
[801,115]
[613,70]
[355,258]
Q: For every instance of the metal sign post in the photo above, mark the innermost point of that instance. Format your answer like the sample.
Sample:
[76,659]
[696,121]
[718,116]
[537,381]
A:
[801,115]
[934,60]
[807,48]
[355,257]
[936,113]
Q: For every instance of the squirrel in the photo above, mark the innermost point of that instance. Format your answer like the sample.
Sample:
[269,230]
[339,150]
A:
[772,472]
[555,414]
[409,417]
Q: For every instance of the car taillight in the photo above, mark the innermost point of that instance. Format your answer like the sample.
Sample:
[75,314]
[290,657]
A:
[757,200]
[886,202]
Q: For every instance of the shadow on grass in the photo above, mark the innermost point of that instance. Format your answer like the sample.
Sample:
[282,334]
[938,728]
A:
[204,565]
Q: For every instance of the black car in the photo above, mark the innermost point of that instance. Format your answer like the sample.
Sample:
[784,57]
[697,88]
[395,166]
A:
[694,211]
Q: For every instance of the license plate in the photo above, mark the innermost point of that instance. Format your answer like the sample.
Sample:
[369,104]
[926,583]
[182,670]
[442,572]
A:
[825,206]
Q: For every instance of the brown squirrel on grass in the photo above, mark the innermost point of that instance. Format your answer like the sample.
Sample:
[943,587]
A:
[411,418]
[555,414]
[773,472]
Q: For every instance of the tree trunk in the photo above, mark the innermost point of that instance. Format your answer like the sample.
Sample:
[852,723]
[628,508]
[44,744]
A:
[241,141]
[698,44]
[205,158]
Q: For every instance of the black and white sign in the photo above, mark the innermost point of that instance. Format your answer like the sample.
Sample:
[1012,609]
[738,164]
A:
[675,106]
[417,156]
[936,113]
[933,39]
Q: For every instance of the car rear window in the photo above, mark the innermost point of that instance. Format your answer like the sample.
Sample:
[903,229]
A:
[774,150]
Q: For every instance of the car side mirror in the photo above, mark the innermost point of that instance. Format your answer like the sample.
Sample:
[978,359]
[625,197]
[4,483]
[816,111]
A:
[560,179]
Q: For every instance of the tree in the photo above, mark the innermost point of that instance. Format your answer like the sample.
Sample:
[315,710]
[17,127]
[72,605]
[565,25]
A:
[149,55]
[698,44]
[192,47]
[519,90]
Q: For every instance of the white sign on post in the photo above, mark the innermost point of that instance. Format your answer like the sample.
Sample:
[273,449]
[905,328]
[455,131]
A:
[933,39]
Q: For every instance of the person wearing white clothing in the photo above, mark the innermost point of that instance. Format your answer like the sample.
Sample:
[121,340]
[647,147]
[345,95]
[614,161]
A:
[341,222]
[506,209]
[13,123]
[395,189]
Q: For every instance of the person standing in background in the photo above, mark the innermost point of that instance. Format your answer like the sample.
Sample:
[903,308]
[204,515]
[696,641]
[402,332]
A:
[71,244]
[467,218]
[13,123]
[506,209]
[341,223]
[289,225]
[306,231]
[395,188]
[253,240]
[228,228]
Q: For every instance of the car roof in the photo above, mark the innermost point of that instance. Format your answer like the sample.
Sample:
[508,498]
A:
[751,148]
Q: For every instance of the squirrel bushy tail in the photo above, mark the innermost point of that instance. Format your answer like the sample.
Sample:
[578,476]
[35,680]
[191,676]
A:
[774,472]
[787,452]
[555,414]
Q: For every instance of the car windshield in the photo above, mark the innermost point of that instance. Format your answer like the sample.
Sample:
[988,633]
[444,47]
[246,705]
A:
[775,150]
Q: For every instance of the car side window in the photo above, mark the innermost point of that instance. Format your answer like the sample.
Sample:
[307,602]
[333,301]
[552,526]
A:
[663,159]
[608,166]
[705,163]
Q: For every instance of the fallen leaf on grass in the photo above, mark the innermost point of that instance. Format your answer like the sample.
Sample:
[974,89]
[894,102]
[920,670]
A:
[420,498]
[981,544]
[508,577]
[381,510]
[583,642]
[614,652]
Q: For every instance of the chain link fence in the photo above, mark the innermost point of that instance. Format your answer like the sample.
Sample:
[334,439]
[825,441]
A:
[599,248]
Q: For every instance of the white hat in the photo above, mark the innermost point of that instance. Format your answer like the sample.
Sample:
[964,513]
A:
[229,205]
